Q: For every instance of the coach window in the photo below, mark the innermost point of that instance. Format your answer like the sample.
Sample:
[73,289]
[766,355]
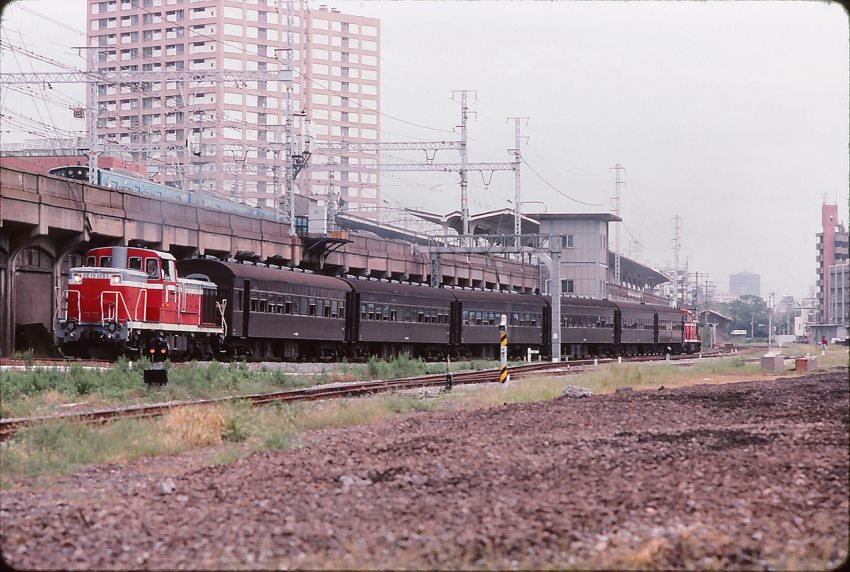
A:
[341,312]
[379,309]
[370,311]
[254,302]
[263,303]
[326,309]
[237,295]
[287,305]
[334,310]
[362,311]
[420,316]
[386,313]
[135,263]
[152,268]
[279,308]
[394,314]
[312,307]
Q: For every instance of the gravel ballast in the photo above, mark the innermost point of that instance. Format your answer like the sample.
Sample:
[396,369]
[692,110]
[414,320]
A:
[750,475]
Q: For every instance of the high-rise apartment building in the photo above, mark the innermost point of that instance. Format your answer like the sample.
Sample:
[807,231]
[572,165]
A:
[744,283]
[833,249]
[235,131]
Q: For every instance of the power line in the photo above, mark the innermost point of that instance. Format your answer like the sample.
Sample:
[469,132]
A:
[560,192]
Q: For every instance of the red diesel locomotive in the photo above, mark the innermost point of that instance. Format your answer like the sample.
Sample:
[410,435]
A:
[129,300]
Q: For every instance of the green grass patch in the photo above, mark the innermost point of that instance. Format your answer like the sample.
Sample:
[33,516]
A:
[43,391]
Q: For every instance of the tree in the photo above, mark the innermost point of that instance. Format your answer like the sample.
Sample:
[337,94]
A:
[748,313]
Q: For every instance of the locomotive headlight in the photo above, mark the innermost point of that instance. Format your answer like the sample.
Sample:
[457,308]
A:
[115,279]
[77,278]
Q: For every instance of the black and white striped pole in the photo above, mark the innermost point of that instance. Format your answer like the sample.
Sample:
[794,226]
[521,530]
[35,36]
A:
[504,377]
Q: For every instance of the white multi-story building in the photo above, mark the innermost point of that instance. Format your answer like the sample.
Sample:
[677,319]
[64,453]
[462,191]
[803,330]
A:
[235,131]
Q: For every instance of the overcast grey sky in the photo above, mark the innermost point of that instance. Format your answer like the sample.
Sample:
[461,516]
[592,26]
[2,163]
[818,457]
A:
[732,115]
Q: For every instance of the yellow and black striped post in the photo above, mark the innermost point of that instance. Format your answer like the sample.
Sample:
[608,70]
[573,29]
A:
[503,349]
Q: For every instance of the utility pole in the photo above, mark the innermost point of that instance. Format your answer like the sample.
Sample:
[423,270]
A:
[464,199]
[696,294]
[617,168]
[770,320]
[288,171]
[677,245]
[517,153]
[92,111]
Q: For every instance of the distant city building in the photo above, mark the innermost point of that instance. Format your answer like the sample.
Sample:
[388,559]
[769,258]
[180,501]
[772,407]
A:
[744,283]
[235,130]
[833,249]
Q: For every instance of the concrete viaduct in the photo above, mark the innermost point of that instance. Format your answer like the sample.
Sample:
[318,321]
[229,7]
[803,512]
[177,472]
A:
[47,222]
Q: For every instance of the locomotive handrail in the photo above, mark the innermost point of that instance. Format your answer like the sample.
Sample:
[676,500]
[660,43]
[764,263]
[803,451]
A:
[61,297]
[182,299]
[144,293]
[221,308]
[118,297]
[65,296]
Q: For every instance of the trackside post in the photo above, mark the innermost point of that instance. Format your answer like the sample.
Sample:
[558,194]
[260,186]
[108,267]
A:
[504,377]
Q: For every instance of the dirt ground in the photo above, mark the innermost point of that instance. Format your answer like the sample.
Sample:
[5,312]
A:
[749,475]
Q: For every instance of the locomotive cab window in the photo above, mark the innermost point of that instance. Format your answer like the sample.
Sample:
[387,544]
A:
[105,261]
[135,263]
[90,261]
[168,270]
[152,268]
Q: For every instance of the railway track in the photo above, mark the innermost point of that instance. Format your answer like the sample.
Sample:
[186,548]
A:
[9,427]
